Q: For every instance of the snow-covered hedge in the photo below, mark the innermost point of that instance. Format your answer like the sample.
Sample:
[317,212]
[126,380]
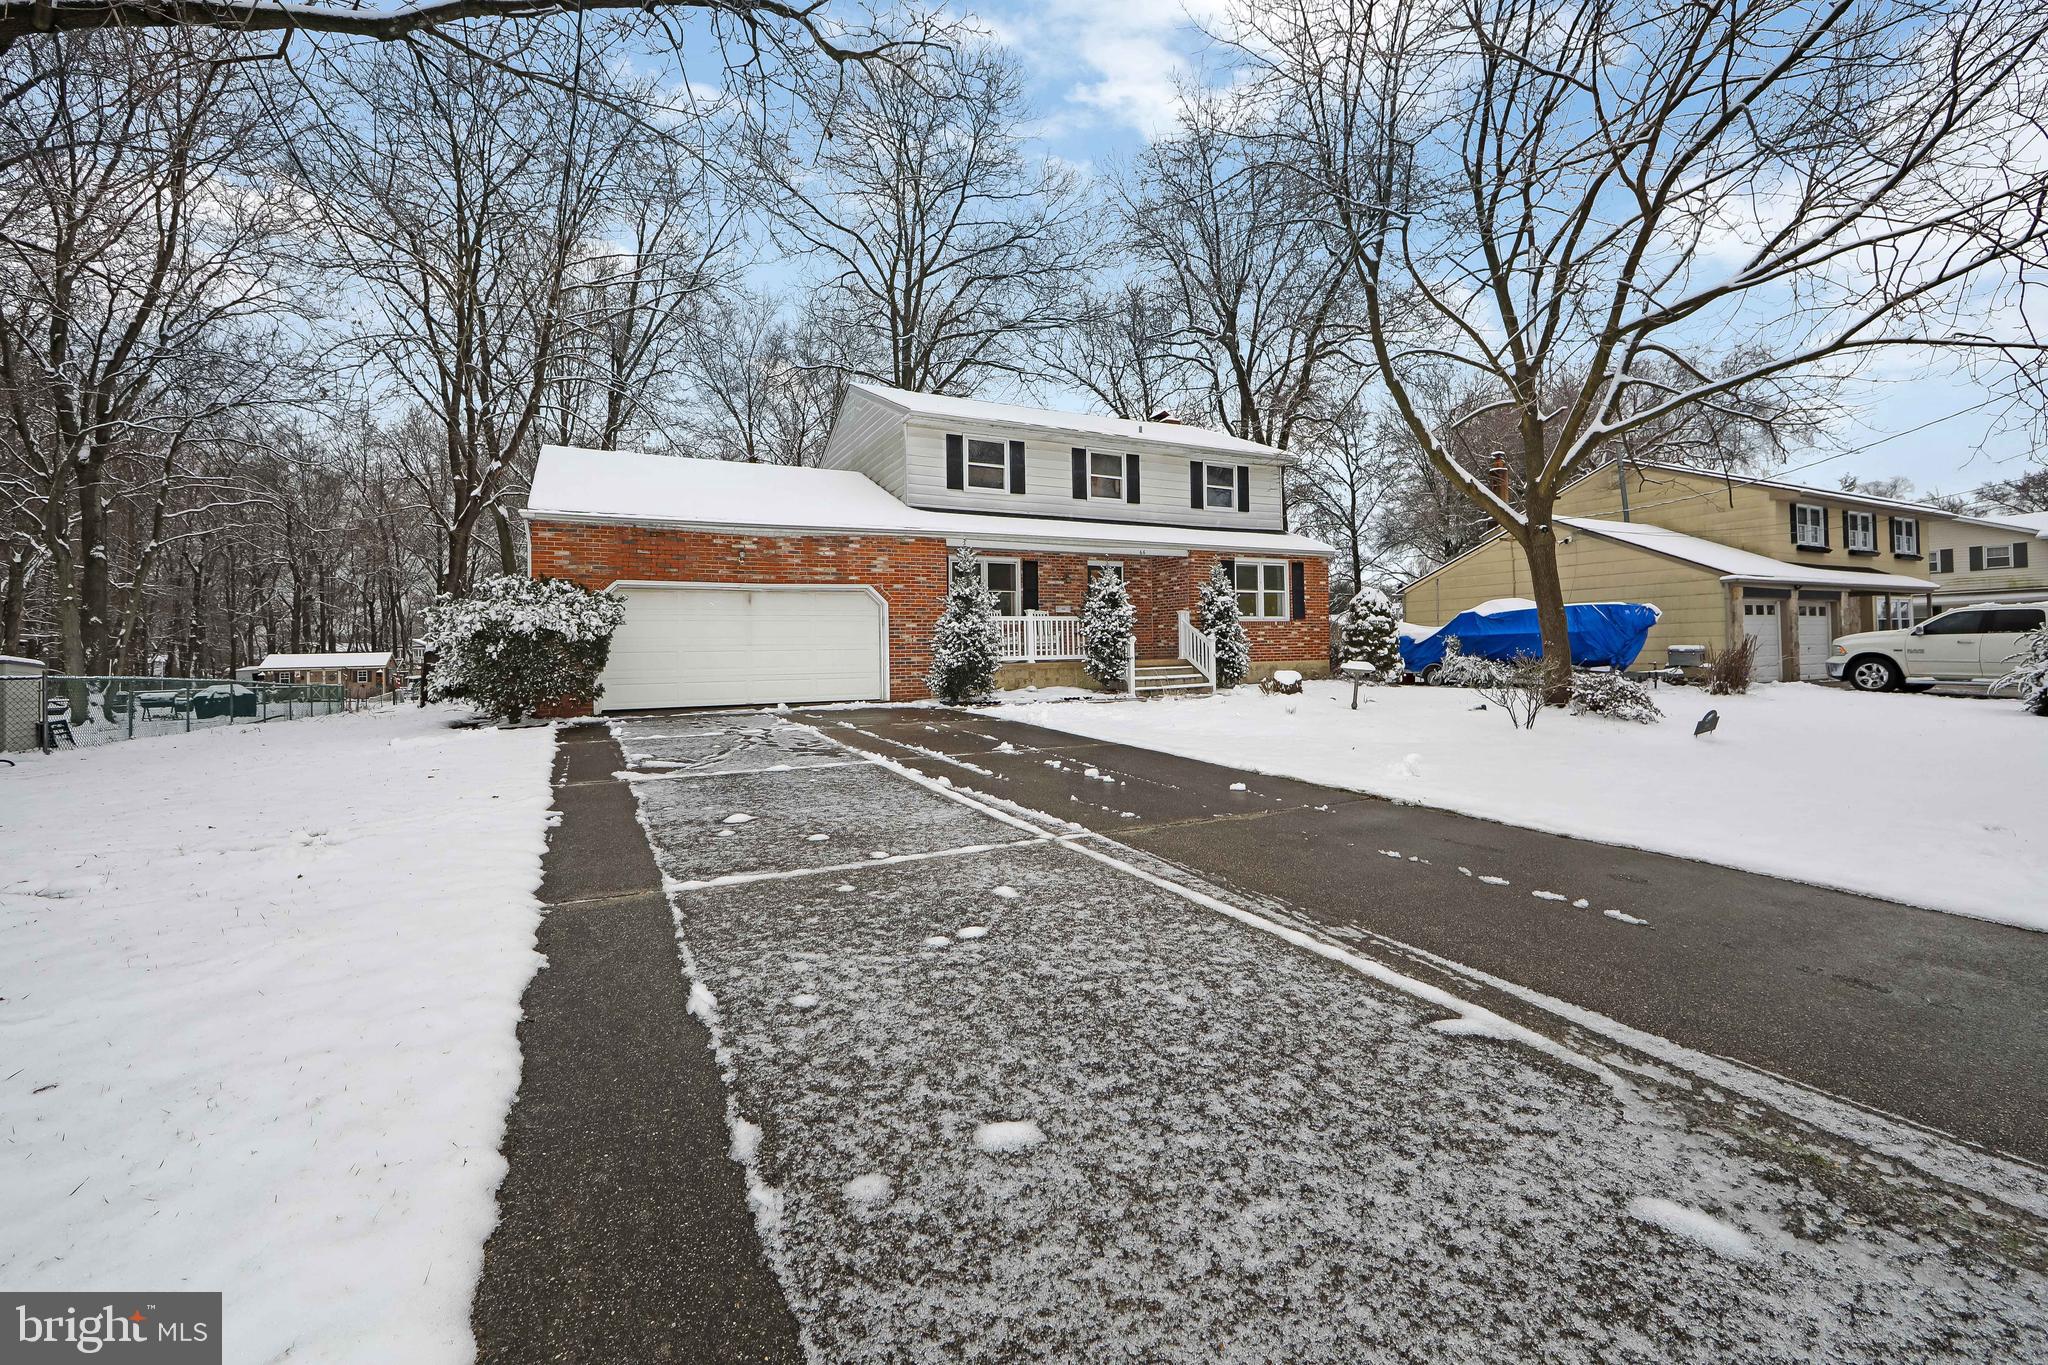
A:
[1614,695]
[517,644]
[2030,673]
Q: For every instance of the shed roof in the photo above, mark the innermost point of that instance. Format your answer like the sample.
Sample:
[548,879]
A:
[366,659]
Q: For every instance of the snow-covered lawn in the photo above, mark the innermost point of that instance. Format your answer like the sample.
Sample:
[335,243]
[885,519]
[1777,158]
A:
[258,993]
[1933,801]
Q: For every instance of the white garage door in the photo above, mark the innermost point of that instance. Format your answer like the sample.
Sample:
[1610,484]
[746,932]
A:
[1816,637]
[702,646]
[1760,623]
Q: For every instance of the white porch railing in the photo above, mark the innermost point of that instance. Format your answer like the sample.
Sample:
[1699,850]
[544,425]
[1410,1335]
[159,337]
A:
[1198,649]
[1038,639]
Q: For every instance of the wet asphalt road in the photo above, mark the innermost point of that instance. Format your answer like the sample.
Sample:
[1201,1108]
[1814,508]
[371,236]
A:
[1932,1017]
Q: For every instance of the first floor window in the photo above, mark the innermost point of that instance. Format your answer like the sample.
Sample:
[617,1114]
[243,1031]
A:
[1262,589]
[988,465]
[1859,531]
[1810,525]
[1998,556]
[362,675]
[1105,475]
[1219,487]
[1905,536]
[1002,577]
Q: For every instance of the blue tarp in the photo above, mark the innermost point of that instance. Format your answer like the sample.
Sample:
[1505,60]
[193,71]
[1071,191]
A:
[1604,634]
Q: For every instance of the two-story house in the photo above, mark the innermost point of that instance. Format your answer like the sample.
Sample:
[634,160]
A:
[1721,557]
[748,583]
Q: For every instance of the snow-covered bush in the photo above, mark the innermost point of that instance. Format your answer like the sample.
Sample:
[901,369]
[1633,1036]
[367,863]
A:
[1730,672]
[1371,633]
[1518,688]
[2030,672]
[1459,669]
[966,647]
[1612,694]
[1107,624]
[517,644]
[1216,614]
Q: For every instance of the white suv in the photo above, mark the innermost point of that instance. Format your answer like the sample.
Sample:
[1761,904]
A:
[1968,645]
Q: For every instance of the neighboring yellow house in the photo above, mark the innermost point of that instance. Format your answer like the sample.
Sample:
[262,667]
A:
[1720,557]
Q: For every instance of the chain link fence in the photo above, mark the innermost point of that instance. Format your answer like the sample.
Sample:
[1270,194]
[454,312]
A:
[58,709]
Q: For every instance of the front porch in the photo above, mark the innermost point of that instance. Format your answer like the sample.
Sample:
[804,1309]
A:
[1043,649]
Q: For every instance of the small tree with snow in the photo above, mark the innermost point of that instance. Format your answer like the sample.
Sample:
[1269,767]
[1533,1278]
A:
[1107,625]
[1371,633]
[518,644]
[1216,614]
[966,647]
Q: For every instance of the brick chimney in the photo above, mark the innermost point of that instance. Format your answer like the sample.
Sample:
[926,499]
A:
[1164,417]
[1497,475]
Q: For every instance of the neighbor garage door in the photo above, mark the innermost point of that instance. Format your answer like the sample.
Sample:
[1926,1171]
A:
[702,646]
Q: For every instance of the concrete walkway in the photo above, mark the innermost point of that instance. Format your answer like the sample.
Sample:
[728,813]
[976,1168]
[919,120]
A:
[623,1233]
[1932,1017]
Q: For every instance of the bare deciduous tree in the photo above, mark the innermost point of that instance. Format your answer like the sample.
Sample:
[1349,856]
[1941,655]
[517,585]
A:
[943,242]
[1598,205]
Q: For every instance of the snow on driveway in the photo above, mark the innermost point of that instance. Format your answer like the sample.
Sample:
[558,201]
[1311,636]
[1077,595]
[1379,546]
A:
[258,993]
[1933,801]
[1125,1124]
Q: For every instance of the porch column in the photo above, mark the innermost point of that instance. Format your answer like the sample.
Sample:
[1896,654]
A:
[1788,639]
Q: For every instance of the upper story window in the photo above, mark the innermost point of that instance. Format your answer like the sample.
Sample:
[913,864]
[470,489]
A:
[1809,526]
[1219,487]
[988,464]
[1859,532]
[1905,535]
[1105,475]
[1998,556]
[1941,561]
[1261,589]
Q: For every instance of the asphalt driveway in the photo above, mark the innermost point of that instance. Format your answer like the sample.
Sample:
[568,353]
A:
[999,1088]
[1929,1016]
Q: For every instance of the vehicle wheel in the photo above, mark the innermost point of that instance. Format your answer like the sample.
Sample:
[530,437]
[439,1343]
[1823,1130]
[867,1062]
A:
[1428,676]
[1873,674]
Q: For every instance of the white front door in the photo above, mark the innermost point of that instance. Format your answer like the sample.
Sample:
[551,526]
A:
[1816,638]
[1760,623]
[719,646]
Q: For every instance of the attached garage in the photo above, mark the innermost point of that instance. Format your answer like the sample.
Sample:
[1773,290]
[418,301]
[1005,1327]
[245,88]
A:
[704,644]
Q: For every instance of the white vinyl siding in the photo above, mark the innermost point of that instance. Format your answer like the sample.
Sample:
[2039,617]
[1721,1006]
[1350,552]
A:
[867,438]
[1049,484]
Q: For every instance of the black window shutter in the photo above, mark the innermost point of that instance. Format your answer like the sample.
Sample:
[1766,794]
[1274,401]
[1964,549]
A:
[1016,466]
[956,462]
[1030,585]
[1976,558]
[1080,472]
[1244,488]
[1297,590]
[1194,483]
[2019,554]
[1230,571]
[1795,523]
[1130,478]
[1826,535]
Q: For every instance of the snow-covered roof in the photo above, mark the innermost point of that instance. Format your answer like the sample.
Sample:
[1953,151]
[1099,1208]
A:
[669,490]
[943,407]
[2037,522]
[1926,509]
[1732,563]
[357,660]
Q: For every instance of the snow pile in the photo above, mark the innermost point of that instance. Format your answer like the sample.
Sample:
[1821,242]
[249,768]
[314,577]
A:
[1753,799]
[258,1008]
[1008,1135]
[1723,1239]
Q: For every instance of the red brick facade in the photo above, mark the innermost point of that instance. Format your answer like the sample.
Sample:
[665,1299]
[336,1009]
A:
[910,574]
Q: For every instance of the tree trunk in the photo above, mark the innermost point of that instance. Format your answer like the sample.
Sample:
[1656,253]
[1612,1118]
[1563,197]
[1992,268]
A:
[1547,588]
